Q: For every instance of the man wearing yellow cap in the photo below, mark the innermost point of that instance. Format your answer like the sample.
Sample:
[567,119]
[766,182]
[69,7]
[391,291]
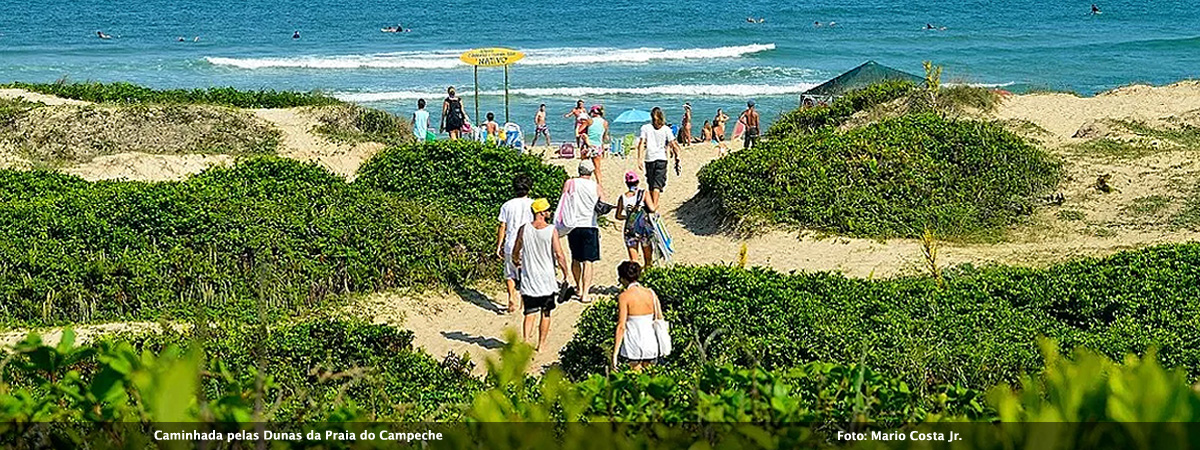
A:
[535,253]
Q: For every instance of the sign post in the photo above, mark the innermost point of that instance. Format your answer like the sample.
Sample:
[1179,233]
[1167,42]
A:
[491,57]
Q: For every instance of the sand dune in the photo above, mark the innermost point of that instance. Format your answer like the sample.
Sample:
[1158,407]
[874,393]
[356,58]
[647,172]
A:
[467,321]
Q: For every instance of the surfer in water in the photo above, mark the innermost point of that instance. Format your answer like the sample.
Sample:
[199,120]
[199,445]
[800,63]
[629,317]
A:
[296,35]
[1095,9]
[101,35]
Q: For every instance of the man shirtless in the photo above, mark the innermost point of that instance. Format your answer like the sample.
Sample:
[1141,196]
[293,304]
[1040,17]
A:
[540,128]
[580,117]
[749,119]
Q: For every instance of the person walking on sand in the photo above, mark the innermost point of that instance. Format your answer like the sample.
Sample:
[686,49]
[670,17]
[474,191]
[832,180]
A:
[578,220]
[656,138]
[421,121]
[749,119]
[597,134]
[535,253]
[685,125]
[580,117]
[719,125]
[453,115]
[637,308]
[514,214]
[635,207]
[540,128]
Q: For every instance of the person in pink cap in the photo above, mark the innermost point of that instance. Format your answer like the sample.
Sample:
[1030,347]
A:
[635,207]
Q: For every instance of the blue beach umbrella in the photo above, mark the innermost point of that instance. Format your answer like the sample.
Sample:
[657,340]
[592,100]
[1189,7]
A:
[633,116]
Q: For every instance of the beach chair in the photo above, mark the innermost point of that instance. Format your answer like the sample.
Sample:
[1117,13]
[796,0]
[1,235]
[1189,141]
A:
[513,137]
[627,145]
[567,151]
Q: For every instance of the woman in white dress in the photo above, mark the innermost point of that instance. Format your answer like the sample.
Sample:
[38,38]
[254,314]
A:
[637,308]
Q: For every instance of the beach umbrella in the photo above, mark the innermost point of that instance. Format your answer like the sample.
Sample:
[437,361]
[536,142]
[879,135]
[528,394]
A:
[633,116]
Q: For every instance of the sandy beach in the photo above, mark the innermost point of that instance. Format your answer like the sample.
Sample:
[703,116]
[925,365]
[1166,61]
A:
[468,321]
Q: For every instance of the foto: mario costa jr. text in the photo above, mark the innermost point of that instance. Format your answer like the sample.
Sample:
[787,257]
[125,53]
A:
[899,436]
[383,435]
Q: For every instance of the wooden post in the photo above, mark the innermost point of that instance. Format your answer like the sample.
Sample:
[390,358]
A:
[505,94]
[476,96]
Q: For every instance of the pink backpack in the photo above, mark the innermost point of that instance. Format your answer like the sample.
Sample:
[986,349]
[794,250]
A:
[567,151]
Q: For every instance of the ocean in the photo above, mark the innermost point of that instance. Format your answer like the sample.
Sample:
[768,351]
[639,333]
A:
[620,53]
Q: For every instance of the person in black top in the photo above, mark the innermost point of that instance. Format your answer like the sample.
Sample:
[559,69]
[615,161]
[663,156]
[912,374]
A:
[453,116]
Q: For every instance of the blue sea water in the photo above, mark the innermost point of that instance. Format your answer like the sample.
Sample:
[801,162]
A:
[620,53]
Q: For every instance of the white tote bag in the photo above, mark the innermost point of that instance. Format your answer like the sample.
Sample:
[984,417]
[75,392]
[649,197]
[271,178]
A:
[662,329]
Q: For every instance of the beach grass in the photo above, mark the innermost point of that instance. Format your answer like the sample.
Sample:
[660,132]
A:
[124,93]
[355,124]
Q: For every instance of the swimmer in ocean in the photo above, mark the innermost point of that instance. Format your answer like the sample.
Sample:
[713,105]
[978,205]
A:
[296,35]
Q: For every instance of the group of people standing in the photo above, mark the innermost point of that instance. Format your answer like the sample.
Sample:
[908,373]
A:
[591,127]
[529,241]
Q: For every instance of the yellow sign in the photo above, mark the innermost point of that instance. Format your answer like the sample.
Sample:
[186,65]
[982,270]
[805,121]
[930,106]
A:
[490,57]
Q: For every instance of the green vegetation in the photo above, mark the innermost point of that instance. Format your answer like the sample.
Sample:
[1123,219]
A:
[978,330]
[963,97]
[1071,214]
[362,373]
[896,177]
[310,371]
[54,136]
[1148,205]
[808,120]
[472,177]
[354,124]
[73,251]
[128,93]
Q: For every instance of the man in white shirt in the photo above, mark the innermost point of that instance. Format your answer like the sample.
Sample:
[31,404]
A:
[652,147]
[513,215]
[578,215]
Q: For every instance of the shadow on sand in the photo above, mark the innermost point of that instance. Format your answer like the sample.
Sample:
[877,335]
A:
[485,342]
[700,216]
[479,299]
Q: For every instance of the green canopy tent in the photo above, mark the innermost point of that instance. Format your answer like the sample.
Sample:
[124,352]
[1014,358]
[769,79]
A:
[859,77]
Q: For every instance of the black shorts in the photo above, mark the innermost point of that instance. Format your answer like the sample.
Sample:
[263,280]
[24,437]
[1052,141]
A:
[584,244]
[543,304]
[656,174]
[751,138]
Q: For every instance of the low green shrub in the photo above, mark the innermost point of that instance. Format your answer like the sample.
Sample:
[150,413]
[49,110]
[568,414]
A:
[894,178]
[810,119]
[978,330]
[73,251]
[472,177]
[353,123]
[121,92]
[316,370]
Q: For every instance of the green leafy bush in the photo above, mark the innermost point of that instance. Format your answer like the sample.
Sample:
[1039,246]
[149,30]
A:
[353,123]
[472,177]
[979,330]
[73,251]
[121,92]
[810,119]
[897,177]
[309,371]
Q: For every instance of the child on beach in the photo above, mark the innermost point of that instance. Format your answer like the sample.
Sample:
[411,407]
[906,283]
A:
[493,128]
[635,207]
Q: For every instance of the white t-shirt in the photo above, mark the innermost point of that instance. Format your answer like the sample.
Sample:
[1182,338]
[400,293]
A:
[580,208]
[514,214]
[656,141]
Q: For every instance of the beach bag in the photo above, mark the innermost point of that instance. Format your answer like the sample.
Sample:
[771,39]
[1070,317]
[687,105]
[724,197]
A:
[662,329]
[603,208]
[567,151]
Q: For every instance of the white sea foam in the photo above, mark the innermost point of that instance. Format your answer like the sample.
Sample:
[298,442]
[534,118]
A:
[447,59]
[680,90]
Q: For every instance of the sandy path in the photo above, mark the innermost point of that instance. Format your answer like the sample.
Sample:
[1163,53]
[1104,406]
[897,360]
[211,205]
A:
[36,97]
